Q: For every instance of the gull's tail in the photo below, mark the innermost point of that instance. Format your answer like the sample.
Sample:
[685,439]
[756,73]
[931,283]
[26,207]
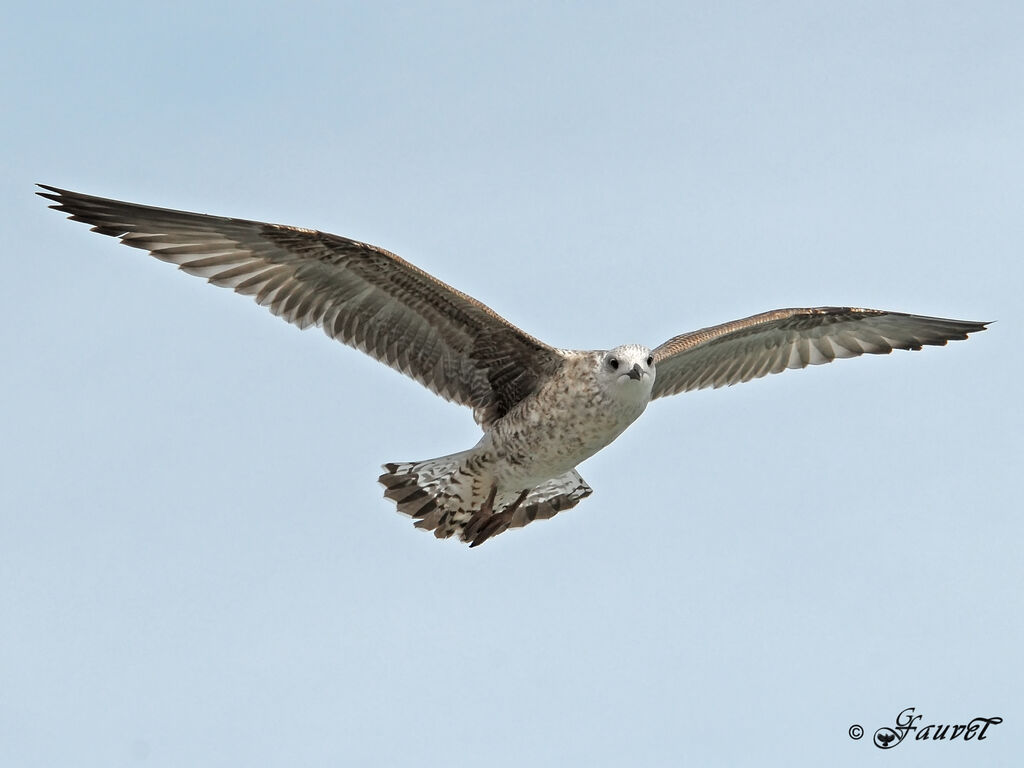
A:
[454,496]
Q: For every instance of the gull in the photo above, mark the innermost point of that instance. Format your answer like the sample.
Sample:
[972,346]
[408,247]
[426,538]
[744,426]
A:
[543,410]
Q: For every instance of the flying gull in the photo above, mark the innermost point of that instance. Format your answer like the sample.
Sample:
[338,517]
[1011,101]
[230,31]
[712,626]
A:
[543,410]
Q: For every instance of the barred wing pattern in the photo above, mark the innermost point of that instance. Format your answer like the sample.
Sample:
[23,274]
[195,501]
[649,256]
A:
[359,294]
[771,342]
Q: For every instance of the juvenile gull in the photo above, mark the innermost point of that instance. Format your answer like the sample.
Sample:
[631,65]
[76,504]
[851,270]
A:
[543,410]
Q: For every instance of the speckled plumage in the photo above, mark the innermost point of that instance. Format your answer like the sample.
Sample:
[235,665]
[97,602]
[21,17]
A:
[543,410]
[524,465]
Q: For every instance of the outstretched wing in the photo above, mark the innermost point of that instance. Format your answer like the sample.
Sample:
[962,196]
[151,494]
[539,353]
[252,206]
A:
[771,342]
[359,294]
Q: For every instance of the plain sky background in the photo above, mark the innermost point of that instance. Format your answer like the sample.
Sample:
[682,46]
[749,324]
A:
[197,567]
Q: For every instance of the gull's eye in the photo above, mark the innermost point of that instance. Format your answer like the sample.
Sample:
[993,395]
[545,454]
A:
[614,363]
[650,360]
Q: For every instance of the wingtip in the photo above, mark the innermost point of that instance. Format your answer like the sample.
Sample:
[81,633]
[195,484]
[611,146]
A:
[56,194]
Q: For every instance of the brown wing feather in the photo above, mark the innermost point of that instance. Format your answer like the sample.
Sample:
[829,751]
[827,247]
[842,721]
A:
[771,342]
[359,294]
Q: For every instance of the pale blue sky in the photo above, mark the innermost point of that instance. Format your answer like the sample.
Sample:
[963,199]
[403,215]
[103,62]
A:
[197,566]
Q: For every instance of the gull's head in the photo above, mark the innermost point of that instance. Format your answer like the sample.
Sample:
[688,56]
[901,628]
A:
[630,365]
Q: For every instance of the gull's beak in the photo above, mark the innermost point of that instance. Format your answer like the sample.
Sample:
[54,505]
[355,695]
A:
[635,372]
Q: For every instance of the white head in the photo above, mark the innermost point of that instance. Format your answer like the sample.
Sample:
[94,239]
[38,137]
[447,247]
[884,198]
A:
[630,368]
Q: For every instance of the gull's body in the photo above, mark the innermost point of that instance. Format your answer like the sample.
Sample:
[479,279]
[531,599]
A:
[543,410]
[524,466]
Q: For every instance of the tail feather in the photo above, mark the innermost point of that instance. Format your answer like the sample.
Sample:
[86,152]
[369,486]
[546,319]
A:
[424,491]
[446,496]
[548,499]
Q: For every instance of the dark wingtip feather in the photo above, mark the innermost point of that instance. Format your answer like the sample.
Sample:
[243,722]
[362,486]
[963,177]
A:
[55,194]
[83,208]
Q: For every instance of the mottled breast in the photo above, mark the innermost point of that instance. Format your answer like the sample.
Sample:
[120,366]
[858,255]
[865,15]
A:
[571,417]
